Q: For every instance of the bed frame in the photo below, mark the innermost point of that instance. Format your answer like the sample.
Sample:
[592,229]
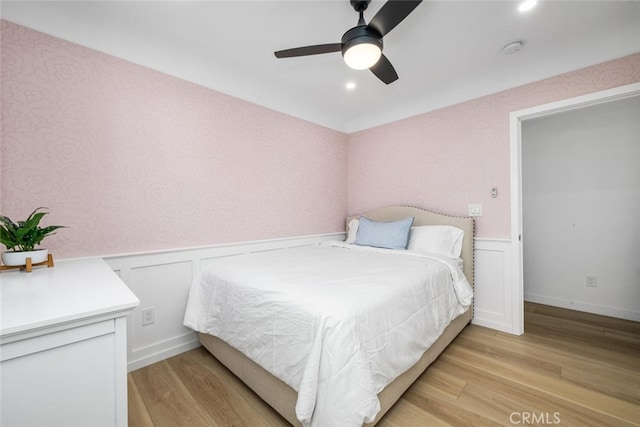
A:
[283,398]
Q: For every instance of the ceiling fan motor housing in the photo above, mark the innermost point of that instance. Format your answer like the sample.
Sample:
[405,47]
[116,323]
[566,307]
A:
[358,35]
[360,5]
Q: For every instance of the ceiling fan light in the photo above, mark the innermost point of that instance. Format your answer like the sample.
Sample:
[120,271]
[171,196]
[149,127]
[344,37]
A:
[362,55]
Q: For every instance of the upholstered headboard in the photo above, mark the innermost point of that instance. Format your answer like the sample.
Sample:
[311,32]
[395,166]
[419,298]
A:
[425,217]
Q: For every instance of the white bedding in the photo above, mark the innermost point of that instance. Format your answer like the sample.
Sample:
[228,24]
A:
[336,322]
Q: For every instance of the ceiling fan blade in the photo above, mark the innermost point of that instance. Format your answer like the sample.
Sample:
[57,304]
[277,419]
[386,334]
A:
[391,14]
[309,50]
[384,70]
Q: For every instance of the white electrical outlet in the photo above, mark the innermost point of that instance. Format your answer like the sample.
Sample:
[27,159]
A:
[148,316]
[592,281]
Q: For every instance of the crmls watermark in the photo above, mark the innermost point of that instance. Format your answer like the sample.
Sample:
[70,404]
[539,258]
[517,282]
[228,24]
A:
[537,418]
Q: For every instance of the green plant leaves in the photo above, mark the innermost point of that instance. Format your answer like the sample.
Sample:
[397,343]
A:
[8,232]
[25,235]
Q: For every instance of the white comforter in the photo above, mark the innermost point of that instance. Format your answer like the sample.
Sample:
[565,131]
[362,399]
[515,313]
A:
[336,322]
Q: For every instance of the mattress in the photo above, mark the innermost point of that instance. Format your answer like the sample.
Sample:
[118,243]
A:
[335,322]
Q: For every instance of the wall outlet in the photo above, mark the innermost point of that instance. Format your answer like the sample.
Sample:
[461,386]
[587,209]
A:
[148,316]
[592,281]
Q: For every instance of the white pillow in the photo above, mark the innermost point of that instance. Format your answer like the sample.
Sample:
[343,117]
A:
[352,231]
[436,239]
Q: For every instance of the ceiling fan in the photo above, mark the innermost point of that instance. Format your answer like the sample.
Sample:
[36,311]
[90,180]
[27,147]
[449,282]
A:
[361,46]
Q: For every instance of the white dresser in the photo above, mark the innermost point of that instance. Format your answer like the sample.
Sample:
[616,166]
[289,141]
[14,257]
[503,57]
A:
[63,346]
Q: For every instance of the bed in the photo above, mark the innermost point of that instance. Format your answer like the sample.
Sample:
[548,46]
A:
[340,352]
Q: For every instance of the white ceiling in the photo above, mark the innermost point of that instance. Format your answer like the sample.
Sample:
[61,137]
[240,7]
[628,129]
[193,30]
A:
[445,51]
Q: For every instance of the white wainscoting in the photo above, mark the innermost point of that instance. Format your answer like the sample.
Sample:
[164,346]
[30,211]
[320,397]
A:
[493,304]
[162,280]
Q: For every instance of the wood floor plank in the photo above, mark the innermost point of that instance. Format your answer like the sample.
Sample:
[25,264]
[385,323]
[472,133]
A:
[138,413]
[508,406]
[447,412]
[514,396]
[515,354]
[628,338]
[579,348]
[585,318]
[554,387]
[584,367]
[220,394]
[168,401]
[622,384]
[440,382]
[617,381]
[579,332]
[404,413]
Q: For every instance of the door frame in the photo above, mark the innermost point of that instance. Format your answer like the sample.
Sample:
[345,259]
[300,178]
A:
[515,136]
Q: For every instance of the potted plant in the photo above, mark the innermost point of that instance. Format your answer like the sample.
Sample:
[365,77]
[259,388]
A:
[22,237]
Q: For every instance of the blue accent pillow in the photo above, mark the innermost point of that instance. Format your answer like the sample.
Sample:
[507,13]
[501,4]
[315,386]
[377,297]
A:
[388,235]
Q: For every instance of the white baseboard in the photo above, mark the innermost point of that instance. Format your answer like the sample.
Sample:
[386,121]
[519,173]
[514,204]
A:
[162,353]
[582,306]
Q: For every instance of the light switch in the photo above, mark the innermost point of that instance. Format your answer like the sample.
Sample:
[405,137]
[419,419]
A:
[475,210]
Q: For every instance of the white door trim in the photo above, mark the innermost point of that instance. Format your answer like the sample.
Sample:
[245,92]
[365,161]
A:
[515,135]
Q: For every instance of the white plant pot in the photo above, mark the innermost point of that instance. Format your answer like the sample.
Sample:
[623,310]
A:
[12,258]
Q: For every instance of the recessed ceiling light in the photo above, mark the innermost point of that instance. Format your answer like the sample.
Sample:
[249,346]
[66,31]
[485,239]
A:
[350,85]
[527,5]
[512,48]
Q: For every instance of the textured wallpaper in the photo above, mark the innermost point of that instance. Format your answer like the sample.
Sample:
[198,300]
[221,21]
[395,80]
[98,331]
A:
[446,159]
[135,160]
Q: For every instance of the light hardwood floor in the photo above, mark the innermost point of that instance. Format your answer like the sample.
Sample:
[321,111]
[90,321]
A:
[569,368]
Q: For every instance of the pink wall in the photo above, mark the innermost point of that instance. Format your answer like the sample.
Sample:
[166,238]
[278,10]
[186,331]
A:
[135,160]
[446,159]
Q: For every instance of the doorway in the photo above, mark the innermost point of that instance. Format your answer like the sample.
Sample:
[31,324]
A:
[516,120]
